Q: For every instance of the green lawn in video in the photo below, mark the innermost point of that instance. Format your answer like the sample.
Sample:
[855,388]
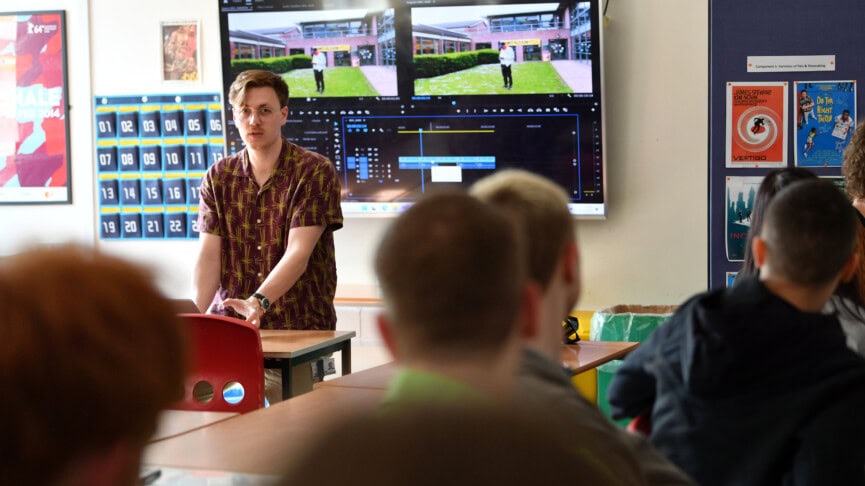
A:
[529,78]
[338,81]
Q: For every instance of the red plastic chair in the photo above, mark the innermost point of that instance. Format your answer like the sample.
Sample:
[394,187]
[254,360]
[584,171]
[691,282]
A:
[224,351]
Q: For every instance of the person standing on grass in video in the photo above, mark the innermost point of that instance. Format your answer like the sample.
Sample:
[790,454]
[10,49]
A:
[319,62]
[506,60]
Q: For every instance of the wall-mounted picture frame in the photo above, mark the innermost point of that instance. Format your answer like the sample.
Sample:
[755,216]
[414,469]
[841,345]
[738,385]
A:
[181,51]
[34,128]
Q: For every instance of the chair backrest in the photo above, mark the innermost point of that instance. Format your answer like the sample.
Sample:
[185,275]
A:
[225,352]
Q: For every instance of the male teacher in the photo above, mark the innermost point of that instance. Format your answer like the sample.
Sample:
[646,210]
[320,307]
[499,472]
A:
[266,220]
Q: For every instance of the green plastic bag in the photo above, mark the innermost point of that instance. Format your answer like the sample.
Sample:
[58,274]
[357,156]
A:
[632,323]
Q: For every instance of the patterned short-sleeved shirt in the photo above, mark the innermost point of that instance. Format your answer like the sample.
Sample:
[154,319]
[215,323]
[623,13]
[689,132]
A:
[253,223]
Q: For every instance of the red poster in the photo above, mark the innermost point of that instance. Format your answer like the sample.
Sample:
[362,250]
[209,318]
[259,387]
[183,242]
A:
[757,124]
[34,136]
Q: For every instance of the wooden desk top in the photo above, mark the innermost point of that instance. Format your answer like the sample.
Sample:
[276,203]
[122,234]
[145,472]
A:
[292,344]
[371,301]
[586,355]
[377,377]
[264,441]
[176,422]
[578,357]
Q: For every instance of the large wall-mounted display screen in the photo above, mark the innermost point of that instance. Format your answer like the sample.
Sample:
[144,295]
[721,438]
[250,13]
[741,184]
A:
[409,95]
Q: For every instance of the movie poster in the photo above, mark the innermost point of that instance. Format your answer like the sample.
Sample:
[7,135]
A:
[756,125]
[825,119]
[180,52]
[730,278]
[34,147]
[741,192]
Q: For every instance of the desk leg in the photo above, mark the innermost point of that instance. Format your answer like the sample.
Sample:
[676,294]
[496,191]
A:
[286,378]
[346,358]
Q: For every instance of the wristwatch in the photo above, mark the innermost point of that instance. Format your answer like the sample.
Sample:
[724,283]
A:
[265,303]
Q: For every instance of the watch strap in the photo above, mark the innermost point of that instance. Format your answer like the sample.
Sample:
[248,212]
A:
[264,301]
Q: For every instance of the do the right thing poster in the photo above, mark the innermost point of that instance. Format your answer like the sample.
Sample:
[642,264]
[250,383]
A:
[825,119]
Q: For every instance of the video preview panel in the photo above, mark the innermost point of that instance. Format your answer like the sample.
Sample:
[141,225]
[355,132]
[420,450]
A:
[320,53]
[502,49]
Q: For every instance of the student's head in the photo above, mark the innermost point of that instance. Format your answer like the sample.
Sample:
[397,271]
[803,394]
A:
[853,167]
[540,209]
[257,78]
[774,181]
[808,235]
[90,352]
[452,279]
[845,114]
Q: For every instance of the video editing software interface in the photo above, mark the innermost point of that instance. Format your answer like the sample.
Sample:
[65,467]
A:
[428,93]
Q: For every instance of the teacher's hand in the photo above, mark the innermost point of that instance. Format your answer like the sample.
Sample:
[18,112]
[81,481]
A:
[250,308]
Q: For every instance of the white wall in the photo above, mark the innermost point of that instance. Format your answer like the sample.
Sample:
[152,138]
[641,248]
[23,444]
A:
[652,249]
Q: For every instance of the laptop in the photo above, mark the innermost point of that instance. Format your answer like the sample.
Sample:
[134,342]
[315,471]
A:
[185,306]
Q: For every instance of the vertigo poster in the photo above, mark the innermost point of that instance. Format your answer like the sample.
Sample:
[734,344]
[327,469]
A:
[34,131]
[756,125]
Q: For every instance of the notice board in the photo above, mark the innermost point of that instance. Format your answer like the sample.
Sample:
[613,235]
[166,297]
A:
[762,56]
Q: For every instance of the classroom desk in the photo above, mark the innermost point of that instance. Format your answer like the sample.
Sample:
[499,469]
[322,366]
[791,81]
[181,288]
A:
[264,441]
[579,357]
[285,349]
[175,422]
[586,355]
[377,377]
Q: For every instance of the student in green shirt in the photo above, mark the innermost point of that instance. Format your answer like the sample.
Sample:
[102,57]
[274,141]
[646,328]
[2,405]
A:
[456,300]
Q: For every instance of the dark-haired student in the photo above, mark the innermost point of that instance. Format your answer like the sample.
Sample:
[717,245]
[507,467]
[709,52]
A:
[771,185]
[754,384]
[455,301]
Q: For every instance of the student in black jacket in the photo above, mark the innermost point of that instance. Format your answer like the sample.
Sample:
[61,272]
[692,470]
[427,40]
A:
[753,384]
